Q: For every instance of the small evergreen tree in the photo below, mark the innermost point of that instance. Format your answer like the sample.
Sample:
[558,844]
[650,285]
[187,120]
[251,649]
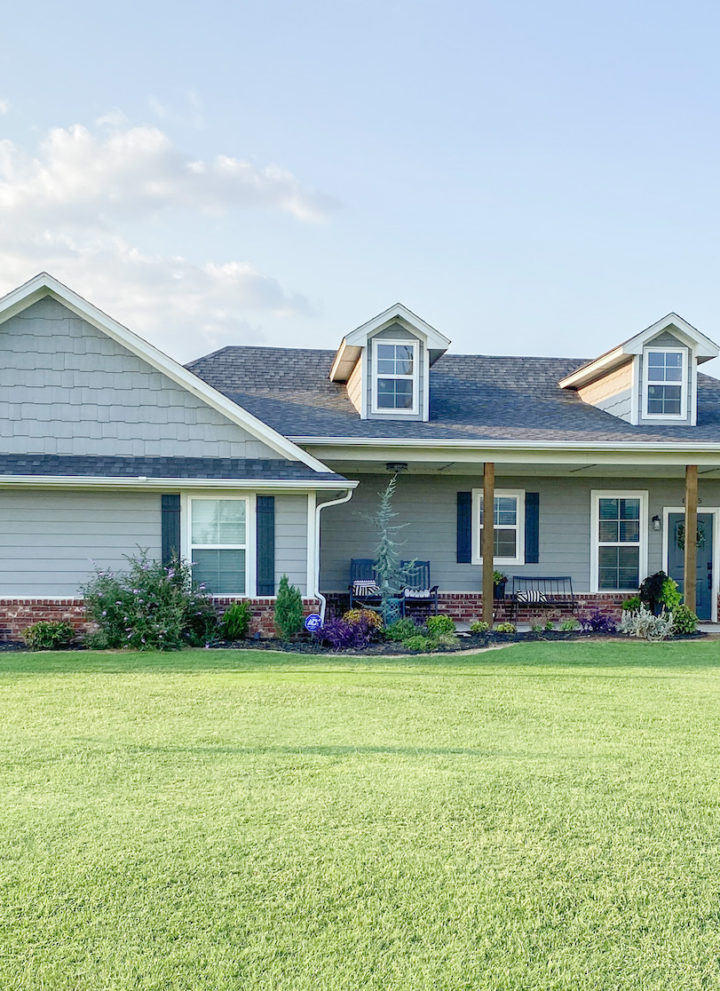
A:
[288,610]
[392,576]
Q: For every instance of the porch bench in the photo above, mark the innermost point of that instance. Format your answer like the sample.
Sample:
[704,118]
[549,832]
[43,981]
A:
[543,591]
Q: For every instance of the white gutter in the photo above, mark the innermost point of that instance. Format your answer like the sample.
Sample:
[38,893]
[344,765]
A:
[323,505]
[510,445]
[172,482]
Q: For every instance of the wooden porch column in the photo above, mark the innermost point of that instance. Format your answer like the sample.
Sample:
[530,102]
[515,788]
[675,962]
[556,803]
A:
[691,505]
[488,540]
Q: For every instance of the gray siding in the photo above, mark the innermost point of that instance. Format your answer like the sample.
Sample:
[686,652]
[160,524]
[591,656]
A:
[400,334]
[67,388]
[428,505]
[50,541]
[667,340]
[291,547]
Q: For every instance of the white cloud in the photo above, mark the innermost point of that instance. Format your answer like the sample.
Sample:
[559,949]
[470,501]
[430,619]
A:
[80,176]
[63,210]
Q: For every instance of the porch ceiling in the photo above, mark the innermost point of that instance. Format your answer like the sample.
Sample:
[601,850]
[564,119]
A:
[586,470]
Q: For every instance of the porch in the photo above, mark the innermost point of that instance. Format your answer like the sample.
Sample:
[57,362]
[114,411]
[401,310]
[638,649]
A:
[607,524]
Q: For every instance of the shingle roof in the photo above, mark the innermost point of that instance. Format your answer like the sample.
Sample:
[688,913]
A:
[472,397]
[232,469]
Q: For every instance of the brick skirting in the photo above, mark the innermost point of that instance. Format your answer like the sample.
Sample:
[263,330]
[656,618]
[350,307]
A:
[17,614]
[467,606]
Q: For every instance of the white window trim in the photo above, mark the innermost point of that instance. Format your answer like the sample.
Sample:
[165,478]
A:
[383,411]
[186,502]
[682,415]
[595,496]
[477,495]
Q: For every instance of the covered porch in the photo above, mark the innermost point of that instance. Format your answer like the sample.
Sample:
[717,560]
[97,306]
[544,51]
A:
[601,518]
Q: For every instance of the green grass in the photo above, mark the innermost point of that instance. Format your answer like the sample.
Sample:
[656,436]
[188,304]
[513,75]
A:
[544,816]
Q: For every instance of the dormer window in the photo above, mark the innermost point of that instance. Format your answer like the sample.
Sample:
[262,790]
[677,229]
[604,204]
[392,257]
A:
[665,383]
[395,377]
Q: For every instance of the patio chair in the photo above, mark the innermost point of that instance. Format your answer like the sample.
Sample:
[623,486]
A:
[363,587]
[418,591]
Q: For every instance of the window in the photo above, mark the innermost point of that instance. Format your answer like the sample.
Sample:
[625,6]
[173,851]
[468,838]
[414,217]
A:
[218,544]
[619,547]
[664,392]
[395,377]
[509,526]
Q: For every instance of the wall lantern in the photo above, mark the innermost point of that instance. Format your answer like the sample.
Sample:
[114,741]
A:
[656,522]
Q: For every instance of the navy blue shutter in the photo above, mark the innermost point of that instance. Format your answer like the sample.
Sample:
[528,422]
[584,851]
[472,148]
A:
[169,527]
[265,549]
[532,527]
[464,527]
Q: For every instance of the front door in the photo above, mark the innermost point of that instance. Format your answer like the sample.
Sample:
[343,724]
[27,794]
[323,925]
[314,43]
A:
[676,558]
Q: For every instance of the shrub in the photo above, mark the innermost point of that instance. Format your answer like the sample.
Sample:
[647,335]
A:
[235,623]
[439,625]
[537,627]
[151,606]
[419,643]
[479,626]
[632,604]
[506,628]
[342,635]
[337,634]
[288,609]
[549,625]
[401,629]
[598,622]
[49,635]
[684,620]
[447,641]
[651,590]
[646,625]
[200,627]
[670,595]
[568,625]
[368,616]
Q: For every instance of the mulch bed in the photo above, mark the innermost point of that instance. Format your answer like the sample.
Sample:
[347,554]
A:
[466,642]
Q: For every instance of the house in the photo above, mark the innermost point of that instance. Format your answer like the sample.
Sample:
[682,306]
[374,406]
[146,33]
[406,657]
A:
[254,462]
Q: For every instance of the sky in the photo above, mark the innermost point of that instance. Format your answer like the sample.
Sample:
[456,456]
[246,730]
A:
[529,178]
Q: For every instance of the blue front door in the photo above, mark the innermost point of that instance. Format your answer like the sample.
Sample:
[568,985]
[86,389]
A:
[676,558]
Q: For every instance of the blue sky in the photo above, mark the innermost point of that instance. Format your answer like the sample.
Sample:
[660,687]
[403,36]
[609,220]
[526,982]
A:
[529,178]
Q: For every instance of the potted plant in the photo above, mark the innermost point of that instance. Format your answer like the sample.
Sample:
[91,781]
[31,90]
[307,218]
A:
[499,583]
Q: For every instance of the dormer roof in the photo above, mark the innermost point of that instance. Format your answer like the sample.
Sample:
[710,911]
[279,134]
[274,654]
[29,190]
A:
[704,349]
[353,343]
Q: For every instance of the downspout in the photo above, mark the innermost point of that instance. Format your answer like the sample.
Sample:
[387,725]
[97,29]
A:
[324,505]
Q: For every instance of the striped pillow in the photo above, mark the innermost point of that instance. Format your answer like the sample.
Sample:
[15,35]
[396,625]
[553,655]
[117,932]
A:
[366,587]
[531,595]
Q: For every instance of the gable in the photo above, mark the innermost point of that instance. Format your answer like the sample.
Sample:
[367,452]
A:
[67,388]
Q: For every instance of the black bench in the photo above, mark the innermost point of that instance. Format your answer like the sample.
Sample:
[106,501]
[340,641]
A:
[541,591]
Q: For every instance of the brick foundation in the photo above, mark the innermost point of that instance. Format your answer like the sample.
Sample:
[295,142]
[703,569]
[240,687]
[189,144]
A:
[467,606]
[17,614]
[263,621]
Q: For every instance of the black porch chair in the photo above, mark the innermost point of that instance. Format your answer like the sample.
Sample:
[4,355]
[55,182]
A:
[363,587]
[418,591]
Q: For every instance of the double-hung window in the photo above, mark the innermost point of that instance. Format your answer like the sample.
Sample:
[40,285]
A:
[395,376]
[218,544]
[508,526]
[619,544]
[665,383]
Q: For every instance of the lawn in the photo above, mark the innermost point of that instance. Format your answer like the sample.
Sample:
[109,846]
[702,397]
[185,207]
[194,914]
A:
[543,816]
